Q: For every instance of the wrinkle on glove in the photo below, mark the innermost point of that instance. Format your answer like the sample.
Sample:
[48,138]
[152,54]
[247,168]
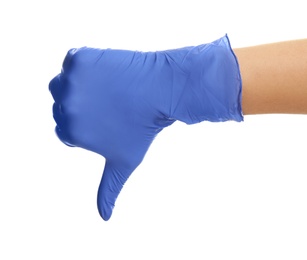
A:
[115,102]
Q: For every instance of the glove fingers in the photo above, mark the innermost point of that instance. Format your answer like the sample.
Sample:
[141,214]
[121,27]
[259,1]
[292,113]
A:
[110,186]
[54,88]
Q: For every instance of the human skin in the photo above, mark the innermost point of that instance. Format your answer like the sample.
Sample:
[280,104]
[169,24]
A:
[116,110]
[274,77]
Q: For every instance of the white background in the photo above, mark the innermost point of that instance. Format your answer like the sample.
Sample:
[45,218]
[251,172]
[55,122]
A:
[207,191]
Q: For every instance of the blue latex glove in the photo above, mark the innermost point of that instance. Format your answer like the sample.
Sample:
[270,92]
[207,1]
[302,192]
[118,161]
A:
[115,102]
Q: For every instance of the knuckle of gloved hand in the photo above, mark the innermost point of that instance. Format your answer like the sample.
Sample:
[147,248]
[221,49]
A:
[71,58]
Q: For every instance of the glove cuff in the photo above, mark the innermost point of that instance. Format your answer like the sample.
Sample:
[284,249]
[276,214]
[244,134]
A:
[213,87]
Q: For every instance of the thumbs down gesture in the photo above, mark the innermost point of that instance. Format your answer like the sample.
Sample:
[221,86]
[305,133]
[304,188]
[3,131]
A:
[115,102]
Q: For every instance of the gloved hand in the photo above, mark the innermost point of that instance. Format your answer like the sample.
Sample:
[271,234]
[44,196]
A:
[115,102]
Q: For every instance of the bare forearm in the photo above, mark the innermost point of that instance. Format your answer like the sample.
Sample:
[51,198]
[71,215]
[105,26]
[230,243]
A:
[274,77]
